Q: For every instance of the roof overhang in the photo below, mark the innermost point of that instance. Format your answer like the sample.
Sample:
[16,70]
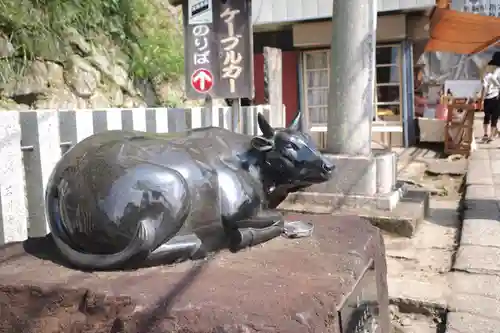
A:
[462,33]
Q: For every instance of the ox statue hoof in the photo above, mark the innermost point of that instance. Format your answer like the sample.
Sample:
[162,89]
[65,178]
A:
[247,237]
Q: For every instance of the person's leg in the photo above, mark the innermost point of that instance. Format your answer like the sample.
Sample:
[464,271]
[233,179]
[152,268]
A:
[487,117]
[485,131]
[495,113]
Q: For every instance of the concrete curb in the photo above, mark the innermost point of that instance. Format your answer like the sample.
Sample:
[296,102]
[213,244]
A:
[475,298]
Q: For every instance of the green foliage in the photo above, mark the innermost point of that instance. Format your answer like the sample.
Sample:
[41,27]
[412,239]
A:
[144,30]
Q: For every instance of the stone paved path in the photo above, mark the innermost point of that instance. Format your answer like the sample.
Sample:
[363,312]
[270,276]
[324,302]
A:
[418,266]
[474,299]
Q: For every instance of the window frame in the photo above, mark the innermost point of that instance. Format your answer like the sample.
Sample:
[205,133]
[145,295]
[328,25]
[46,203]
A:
[305,89]
[399,60]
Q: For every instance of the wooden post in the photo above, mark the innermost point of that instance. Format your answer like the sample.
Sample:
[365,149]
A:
[209,102]
[274,75]
[236,115]
[445,4]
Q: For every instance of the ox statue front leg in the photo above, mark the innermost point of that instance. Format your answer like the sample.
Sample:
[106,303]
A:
[264,226]
[246,219]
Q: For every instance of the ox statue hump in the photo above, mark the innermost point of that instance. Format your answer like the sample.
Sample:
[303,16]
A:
[119,197]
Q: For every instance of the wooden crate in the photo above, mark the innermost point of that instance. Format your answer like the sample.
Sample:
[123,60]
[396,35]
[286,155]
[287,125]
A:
[459,128]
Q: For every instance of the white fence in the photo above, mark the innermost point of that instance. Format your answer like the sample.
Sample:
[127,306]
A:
[31,143]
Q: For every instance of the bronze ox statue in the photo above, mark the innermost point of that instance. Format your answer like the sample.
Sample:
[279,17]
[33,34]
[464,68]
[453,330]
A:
[123,197]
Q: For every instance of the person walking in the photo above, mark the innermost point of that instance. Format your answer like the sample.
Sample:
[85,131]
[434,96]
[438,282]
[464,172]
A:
[491,104]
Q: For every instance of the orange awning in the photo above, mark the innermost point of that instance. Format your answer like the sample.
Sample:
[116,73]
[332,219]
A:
[462,33]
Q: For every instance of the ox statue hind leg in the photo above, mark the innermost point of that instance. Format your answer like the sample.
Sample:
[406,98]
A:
[264,226]
[138,220]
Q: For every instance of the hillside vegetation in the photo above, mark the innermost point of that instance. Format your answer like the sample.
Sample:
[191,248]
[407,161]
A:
[144,36]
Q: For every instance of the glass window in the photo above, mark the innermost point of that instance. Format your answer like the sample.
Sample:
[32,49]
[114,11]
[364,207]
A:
[388,94]
[316,86]
[388,113]
[388,107]
[318,115]
[387,74]
[317,60]
[317,97]
[387,55]
[317,79]
[388,87]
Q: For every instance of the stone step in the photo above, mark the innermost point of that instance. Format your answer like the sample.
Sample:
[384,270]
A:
[418,292]
[403,220]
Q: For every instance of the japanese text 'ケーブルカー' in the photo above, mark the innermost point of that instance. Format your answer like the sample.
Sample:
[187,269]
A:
[231,65]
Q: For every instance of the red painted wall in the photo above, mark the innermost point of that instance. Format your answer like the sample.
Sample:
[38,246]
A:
[290,61]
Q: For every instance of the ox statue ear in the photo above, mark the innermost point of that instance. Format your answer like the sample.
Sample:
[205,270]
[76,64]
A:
[261,144]
[295,124]
[267,130]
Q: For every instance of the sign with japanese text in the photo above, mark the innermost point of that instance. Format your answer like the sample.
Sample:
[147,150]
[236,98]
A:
[218,48]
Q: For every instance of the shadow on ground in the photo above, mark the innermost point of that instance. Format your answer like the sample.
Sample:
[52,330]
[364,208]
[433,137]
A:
[44,248]
[484,209]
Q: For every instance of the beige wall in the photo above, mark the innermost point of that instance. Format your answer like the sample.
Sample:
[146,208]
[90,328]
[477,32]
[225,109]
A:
[418,27]
[389,28]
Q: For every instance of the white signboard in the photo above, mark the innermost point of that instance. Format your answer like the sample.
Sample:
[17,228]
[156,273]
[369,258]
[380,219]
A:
[463,88]
[200,12]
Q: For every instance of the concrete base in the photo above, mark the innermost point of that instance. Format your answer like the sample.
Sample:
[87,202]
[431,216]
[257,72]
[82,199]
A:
[335,201]
[358,182]
[367,187]
[402,220]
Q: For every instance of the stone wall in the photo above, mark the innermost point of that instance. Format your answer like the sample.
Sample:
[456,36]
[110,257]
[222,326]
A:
[88,76]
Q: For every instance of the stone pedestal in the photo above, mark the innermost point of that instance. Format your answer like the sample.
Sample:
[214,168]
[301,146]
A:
[367,182]
[334,281]
[362,178]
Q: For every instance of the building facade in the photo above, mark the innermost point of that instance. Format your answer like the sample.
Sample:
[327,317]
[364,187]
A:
[302,30]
